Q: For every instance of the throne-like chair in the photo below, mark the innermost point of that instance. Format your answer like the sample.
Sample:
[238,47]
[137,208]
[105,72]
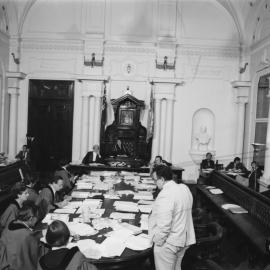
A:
[127,128]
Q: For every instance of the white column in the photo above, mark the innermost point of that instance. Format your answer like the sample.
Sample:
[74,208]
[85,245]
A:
[91,127]
[240,126]
[265,180]
[84,125]
[97,120]
[13,115]
[241,97]
[169,130]
[163,131]
[13,90]
[156,137]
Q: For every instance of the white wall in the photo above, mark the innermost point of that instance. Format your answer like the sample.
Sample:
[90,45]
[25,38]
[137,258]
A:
[57,35]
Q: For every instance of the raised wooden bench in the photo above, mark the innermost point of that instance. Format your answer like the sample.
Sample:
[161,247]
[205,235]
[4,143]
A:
[254,226]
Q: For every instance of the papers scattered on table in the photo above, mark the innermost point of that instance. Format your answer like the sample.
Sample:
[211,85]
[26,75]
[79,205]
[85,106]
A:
[215,191]
[81,229]
[88,247]
[126,206]
[125,192]
[93,203]
[234,208]
[145,202]
[80,194]
[145,186]
[92,194]
[118,215]
[134,229]
[49,218]
[143,195]
[101,223]
[145,208]
[84,185]
[73,204]
[111,196]
[144,222]
[102,186]
[139,242]
[144,174]
[65,210]
[148,181]
[111,247]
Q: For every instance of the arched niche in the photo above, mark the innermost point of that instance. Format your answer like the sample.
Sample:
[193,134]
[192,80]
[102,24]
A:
[203,131]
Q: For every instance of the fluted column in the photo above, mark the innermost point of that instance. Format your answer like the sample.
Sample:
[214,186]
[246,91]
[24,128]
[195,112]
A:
[97,120]
[156,137]
[164,94]
[169,130]
[84,125]
[13,90]
[13,115]
[241,95]
[92,126]
[265,180]
[163,131]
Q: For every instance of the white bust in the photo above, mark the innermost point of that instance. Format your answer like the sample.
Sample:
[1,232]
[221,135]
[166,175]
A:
[202,139]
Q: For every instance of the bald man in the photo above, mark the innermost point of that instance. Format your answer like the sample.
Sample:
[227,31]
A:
[93,156]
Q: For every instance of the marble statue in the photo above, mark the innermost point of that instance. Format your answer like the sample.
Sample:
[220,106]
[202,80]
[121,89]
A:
[202,139]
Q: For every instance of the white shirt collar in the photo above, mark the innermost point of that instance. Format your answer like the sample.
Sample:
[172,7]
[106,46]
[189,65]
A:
[54,191]
[169,183]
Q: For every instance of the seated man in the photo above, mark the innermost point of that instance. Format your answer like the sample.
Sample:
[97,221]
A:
[236,166]
[119,149]
[24,155]
[23,248]
[254,176]
[48,198]
[208,163]
[157,162]
[93,156]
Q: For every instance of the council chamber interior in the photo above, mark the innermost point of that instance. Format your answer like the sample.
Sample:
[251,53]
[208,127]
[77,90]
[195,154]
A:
[136,80]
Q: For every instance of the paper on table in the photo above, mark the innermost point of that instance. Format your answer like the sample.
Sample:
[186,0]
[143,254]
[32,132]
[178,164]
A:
[134,229]
[145,202]
[215,191]
[73,204]
[111,196]
[65,210]
[126,206]
[138,242]
[111,247]
[81,229]
[145,208]
[49,218]
[121,234]
[80,194]
[84,185]
[118,215]
[143,197]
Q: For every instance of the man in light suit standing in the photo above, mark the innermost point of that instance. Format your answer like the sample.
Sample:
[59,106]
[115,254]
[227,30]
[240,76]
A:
[170,223]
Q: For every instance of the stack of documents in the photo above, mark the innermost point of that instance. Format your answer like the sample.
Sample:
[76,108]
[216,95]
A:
[73,204]
[118,215]
[215,191]
[143,195]
[126,206]
[145,208]
[84,185]
[65,211]
[92,203]
[102,186]
[234,208]
[80,194]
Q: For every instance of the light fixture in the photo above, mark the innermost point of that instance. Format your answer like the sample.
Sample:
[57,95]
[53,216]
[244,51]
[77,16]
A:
[93,62]
[165,65]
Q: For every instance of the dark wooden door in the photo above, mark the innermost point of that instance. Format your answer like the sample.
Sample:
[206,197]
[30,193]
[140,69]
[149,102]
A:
[50,122]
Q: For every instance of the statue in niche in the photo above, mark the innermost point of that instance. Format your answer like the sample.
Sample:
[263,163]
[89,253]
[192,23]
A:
[202,139]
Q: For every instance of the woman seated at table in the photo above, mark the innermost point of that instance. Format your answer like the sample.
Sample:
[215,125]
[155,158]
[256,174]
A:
[207,163]
[236,166]
[21,244]
[61,257]
[21,192]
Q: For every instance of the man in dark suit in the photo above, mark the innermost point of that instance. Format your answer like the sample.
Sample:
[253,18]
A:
[254,176]
[23,155]
[236,166]
[208,163]
[93,156]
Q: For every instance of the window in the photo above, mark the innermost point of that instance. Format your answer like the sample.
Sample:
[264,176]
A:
[262,110]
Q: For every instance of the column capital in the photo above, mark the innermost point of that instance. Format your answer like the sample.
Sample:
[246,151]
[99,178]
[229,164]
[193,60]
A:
[14,78]
[13,91]
[242,91]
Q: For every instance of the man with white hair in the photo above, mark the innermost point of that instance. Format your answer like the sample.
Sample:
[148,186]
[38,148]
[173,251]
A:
[93,156]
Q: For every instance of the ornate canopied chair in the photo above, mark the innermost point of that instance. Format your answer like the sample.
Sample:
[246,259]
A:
[128,129]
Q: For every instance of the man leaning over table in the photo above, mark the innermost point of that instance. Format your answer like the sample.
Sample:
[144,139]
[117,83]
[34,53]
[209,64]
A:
[170,223]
